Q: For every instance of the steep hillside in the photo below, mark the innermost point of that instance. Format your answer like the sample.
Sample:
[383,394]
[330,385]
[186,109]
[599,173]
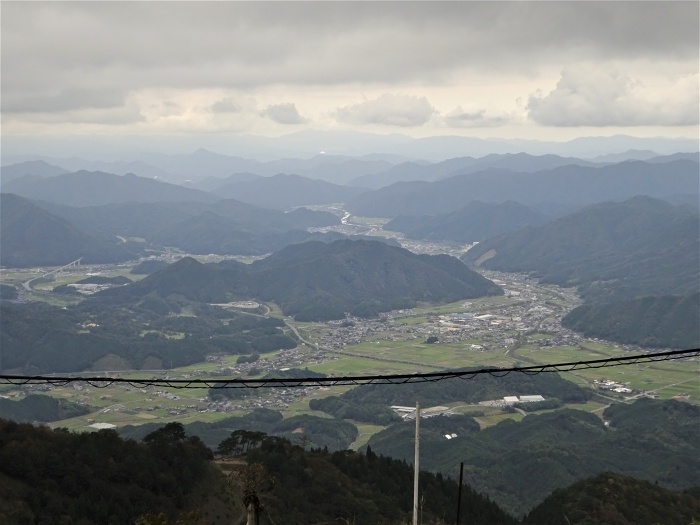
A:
[475,222]
[667,321]
[30,236]
[611,251]
[323,281]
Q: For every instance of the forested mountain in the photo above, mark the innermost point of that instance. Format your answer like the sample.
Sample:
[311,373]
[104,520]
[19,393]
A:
[30,236]
[611,251]
[475,222]
[615,499]
[517,464]
[571,185]
[316,280]
[665,321]
[284,191]
[84,188]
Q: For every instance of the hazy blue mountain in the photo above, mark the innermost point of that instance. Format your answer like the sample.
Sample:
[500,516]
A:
[37,168]
[521,162]
[30,236]
[475,222]
[611,251]
[214,183]
[283,191]
[569,185]
[85,188]
[226,226]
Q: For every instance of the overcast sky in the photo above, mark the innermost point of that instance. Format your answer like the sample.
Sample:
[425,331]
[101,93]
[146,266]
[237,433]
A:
[549,70]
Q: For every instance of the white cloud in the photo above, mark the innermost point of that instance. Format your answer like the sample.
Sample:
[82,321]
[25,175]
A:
[600,96]
[476,118]
[388,110]
[283,114]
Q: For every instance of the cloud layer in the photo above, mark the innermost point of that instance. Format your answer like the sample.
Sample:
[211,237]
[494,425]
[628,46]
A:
[423,65]
[595,96]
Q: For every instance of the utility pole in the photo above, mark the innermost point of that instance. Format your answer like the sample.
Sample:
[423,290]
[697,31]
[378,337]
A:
[416,467]
[459,493]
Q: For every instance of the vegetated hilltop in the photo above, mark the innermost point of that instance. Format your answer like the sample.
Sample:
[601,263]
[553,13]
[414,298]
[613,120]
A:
[129,332]
[517,464]
[615,499]
[53,476]
[473,223]
[570,186]
[31,236]
[320,281]
[37,407]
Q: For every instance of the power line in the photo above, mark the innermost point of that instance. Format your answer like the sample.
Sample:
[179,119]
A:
[103,382]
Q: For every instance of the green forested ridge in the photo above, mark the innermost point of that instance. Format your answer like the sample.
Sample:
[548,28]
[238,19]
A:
[320,281]
[366,412]
[481,387]
[39,338]
[615,499]
[320,432]
[518,464]
[36,407]
[666,321]
[610,251]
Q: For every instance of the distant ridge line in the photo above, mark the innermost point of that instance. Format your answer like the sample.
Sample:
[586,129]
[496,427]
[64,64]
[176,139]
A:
[103,382]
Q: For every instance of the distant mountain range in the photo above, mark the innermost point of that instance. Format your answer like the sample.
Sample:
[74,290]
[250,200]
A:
[320,281]
[85,188]
[570,185]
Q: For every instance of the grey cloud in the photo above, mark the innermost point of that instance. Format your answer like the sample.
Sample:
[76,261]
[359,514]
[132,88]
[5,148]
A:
[283,114]
[66,100]
[131,45]
[389,110]
[602,97]
[459,118]
[226,105]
